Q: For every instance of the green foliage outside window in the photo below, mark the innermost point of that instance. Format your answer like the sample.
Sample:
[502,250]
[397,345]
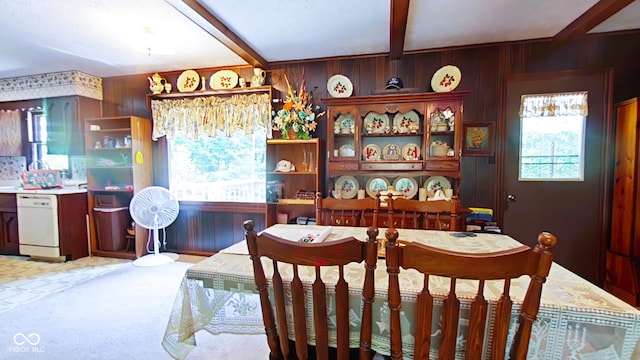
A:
[219,169]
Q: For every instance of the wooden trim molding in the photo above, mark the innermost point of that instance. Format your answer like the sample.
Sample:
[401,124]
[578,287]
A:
[230,207]
[591,18]
[196,12]
[398,27]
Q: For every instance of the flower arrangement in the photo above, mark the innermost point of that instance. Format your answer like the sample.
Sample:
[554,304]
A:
[297,117]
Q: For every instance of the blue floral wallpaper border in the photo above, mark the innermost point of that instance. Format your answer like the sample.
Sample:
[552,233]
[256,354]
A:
[51,85]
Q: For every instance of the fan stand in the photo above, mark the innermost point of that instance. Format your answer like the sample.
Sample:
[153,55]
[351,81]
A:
[156,258]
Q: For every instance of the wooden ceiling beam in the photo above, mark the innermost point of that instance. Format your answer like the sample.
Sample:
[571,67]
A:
[219,31]
[398,27]
[591,18]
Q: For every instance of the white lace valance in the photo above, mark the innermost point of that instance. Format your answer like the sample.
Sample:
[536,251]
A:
[210,115]
[559,104]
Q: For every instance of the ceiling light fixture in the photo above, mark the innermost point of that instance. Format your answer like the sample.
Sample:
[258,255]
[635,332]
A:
[151,43]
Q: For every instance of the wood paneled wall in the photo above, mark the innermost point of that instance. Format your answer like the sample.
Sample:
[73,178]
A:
[483,68]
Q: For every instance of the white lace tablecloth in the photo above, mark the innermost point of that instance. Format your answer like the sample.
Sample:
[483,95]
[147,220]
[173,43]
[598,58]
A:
[577,320]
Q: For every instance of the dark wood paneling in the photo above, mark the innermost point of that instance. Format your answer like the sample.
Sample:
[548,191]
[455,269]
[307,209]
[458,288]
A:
[204,231]
[483,67]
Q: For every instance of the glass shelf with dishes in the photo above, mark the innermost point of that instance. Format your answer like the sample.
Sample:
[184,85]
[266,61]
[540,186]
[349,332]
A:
[392,145]
[415,135]
[444,133]
[343,145]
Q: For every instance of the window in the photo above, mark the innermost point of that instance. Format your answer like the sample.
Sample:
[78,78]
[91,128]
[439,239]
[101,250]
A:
[219,169]
[37,135]
[217,145]
[552,135]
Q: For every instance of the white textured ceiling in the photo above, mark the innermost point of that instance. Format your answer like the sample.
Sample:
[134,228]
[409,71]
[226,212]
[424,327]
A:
[107,37]
[306,29]
[463,22]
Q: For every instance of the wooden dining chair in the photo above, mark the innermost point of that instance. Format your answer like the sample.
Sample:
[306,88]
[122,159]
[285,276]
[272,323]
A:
[504,265]
[347,212]
[413,214]
[335,254]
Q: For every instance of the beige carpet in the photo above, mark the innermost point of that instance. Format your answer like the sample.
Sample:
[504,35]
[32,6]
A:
[24,280]
[99,308]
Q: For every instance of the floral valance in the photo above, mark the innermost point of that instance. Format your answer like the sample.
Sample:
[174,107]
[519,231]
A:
[558,104]
[211,115]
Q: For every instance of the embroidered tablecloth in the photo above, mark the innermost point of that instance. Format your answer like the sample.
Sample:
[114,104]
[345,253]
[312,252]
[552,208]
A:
[577,320]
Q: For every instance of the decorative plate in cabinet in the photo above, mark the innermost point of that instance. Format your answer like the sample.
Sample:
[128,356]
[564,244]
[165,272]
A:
[371,152]
[411,152]
[344,124]
[408,186]
[404,123]
[436,183]
[391,152]
[376,184]
[375,123]
[347,187]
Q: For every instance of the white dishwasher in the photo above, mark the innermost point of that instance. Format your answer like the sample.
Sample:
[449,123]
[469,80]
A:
[38,225]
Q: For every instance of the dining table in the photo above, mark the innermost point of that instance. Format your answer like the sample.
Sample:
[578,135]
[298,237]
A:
[577,319]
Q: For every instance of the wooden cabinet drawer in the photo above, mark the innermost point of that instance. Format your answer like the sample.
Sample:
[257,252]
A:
[442,165]
[381,165]
[353,166]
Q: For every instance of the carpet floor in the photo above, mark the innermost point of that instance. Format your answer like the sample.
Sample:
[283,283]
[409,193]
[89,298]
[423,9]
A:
[119,312]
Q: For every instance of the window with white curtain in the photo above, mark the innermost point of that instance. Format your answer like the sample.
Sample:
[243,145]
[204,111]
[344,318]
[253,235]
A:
[216,145]
[552,137]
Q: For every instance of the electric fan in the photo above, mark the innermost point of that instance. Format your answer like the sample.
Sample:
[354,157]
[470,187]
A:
[154,208]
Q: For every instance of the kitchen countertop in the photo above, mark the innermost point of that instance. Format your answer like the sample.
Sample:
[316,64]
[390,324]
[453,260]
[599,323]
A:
[15,187]
[62,191]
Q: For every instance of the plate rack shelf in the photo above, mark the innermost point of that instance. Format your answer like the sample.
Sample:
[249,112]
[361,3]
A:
[418,136]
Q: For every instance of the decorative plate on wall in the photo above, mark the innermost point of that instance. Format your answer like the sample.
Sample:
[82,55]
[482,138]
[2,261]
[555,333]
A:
[223,79]
[188,81]
[446,78]
[339,86]
[347,186]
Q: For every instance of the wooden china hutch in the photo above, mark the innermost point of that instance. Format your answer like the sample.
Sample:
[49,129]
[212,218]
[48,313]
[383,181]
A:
[398,141]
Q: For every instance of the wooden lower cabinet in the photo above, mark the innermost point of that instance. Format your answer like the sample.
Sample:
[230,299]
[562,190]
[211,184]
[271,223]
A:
[72,225]
[72,229]
[9,232]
